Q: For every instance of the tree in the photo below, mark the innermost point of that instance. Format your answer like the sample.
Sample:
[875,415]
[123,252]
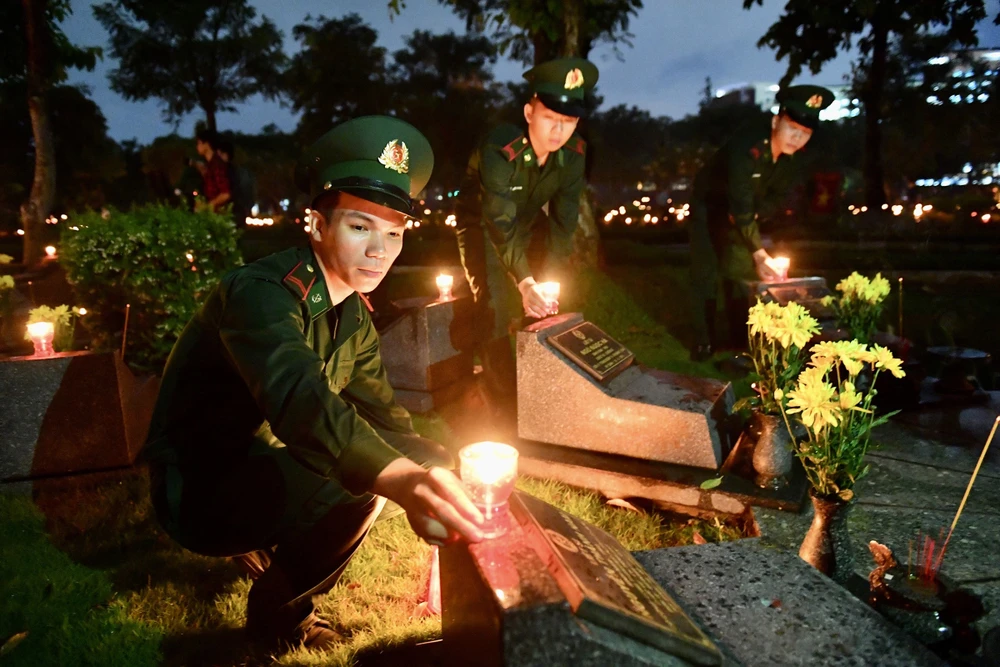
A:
[443,84]
[210,54]
[810,34]
[539,31]
[339,73]
[36,56]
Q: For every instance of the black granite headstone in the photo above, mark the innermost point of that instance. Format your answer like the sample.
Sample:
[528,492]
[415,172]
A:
[557,590]
[593,350]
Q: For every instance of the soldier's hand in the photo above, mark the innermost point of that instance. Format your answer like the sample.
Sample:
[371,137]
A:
[437,506]
[534,301]
[765,266]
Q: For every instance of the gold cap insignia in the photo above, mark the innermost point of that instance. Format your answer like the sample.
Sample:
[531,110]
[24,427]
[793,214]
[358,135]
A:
[395,156]
[574,79]
[814,101]
[579,334]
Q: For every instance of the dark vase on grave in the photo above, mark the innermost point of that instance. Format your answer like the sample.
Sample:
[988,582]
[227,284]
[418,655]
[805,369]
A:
[772,455]
[827,546]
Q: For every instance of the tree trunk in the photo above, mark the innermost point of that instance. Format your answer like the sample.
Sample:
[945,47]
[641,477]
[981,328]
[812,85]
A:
[210,118]
[36,209]
[586,240]
[873,172]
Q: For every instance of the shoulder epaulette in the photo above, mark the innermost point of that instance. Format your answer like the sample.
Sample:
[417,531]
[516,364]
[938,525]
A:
[300,279]
[515,148]
[577,145]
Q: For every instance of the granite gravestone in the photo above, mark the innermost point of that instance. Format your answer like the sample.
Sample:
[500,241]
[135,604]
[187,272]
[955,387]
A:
[807,292]
[427,351]
[578,387]
[70,413]
[768,607]
[557,590]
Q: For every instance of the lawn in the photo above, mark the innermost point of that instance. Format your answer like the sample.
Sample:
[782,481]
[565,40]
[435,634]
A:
[87,577]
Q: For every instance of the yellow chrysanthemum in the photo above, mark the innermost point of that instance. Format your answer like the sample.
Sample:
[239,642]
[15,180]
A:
[813,400]
[758,319]
[827,300]
[6,282]
[849,397]
[885,361]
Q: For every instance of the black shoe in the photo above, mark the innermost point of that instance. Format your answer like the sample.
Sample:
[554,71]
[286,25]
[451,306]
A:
[317,633]
[254,563]
[702,352]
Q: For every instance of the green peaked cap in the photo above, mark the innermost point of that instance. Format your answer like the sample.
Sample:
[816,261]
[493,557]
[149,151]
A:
[803,103]
[563,83]
[379,158]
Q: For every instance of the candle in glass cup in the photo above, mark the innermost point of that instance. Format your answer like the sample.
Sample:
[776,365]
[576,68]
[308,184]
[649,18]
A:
[489,470]
[41,334]
[781,264]
[444,284]
[550,291]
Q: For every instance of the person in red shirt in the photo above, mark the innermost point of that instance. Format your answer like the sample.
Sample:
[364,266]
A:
[217,187]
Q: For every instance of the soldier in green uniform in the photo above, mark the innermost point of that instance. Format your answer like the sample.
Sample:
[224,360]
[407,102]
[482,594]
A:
[746,179]
[276,437]
[515,173]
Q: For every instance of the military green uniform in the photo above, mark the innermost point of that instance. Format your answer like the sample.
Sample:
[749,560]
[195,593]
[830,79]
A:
[275,416]
[741,184]
[501,207]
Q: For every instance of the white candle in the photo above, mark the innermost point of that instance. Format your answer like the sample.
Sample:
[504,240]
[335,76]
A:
[444,285]
[50,251]
[41,334]
[489,470]
[781,264]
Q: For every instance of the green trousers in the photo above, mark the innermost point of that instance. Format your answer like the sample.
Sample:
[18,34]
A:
[310,526]
[720,266]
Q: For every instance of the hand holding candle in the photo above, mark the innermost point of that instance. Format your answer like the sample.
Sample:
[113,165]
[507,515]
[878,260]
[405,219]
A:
[550,292]
[445,283]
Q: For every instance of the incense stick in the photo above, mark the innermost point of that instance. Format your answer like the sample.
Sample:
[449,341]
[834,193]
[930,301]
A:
[900,333]
[968,489]
[128,308]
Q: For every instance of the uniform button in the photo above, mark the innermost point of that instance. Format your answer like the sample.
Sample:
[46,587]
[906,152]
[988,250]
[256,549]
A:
[309,268]
[524,141]
[527,157]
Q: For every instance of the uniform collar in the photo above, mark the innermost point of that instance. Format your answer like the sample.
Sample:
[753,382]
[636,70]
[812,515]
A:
[305,281]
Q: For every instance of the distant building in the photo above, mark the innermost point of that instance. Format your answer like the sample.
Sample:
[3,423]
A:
[763,95]
[972,71]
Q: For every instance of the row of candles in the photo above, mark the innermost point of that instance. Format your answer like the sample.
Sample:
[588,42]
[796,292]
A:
[446,284]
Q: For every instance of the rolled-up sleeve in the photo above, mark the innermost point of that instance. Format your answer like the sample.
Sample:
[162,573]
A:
[262,330]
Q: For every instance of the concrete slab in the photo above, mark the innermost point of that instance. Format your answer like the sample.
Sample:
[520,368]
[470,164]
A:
[770,608]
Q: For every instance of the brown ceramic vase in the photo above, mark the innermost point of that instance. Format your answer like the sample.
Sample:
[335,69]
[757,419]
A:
[827,545]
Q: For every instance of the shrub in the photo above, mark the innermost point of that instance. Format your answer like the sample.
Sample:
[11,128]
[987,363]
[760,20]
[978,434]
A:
[158,259]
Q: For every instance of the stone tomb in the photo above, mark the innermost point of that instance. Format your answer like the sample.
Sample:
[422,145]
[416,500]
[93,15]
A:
[74,412]
[578,387]
[427,351]
[768,607]
[556,590]
[806,292]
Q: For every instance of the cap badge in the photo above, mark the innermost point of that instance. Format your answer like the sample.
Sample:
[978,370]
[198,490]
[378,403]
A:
[815,101]
[395,156]
[574,79]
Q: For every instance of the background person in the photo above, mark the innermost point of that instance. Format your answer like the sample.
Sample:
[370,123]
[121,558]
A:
[750,175]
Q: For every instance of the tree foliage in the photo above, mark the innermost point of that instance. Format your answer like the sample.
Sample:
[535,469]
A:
[63,56]
[810,34]
[338,73]
[209,55]
[443,84]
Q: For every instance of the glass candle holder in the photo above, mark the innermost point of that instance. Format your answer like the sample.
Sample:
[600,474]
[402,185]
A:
[781,264]
[41,334]
[444,285]
[489,470]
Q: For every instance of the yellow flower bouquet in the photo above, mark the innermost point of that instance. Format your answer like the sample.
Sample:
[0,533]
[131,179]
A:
[63,319]
[837,415]
[777,336]
[859,306]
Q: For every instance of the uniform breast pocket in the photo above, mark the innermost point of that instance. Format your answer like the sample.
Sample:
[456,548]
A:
[340,372]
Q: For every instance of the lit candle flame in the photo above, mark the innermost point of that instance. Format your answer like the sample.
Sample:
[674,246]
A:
[549,290]
[489,470]
[50,251]
[41,334]
[444,283]
[781,265]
